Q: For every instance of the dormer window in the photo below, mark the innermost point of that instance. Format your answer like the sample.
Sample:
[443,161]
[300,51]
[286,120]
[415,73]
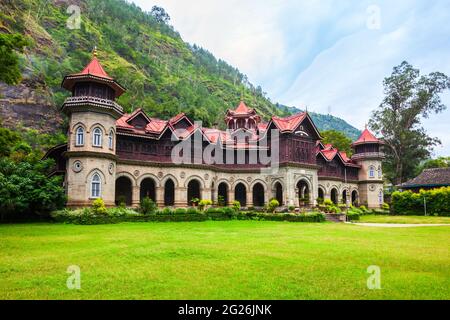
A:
[97,137]
[79,140]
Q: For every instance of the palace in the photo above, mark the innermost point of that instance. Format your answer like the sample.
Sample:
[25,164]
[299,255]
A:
[124,157]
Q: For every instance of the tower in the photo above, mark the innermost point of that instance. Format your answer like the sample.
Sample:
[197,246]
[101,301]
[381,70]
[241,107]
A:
[91,152]
[368,154]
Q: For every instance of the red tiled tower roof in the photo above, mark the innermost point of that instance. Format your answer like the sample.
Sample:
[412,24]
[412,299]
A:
[243,109]
[366,137]
[94,68]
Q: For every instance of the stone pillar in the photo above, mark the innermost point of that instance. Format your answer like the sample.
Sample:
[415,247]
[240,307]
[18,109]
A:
[160,197]
[297,198]
[249,198]
[181,197]
[205,194]
[230,197]
[135,196]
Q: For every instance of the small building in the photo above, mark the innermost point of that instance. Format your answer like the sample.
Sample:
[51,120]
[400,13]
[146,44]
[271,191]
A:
[428,179]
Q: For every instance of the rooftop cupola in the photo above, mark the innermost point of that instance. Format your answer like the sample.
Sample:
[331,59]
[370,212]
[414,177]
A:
[367,145]
[93,87]
[242,117]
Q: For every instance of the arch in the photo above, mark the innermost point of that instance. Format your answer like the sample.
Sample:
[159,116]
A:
[194,177]
[148,189]
[169,192]
[240,194]
[334,195]
[304,191]
[98,124]
[96,186]
[171,177]
[222,192]
[193,191]
[258,194]
[80,134]
[149,176]
[128,175]
[355,197]
[97,137]
[94,171]
[321,193]
[124,190]
[279,193]
[345,194]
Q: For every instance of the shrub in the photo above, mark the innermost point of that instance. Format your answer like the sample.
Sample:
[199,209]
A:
[202,204]
[221,201]
[353,216]
[320,200]
[192,211]
[409,203]
[180,211]
[166,212]
[122,201]
[385,207]
[195,201]
[236,205]
[98,207]
[363,209]
[291,208]
[147,206]
[273,205]
[328,202]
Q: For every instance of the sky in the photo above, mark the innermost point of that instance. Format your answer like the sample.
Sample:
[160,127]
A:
[328,55]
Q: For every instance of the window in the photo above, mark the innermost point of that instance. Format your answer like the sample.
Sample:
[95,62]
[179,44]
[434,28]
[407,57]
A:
[79,137]
[380,197]
[96,183]
[372,172]
[380,173]
[111,139]
[97,137]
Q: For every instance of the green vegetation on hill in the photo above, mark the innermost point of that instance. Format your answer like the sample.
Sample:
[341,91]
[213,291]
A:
[163,74]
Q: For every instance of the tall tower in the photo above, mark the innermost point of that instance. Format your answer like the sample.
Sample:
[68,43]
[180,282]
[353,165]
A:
[91,154]
[367,153]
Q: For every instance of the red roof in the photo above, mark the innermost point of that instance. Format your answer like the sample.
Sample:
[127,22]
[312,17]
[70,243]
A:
[243,109]
[290,123]
[366,137]
[94,68]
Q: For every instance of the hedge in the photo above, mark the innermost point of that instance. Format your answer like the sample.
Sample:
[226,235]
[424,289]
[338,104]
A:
[117,215]
[409,203]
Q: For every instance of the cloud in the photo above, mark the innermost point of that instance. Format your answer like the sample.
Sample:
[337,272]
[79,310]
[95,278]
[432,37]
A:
[321,53]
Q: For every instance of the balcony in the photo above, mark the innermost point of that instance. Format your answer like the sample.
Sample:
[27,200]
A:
[368,155]
[81,101]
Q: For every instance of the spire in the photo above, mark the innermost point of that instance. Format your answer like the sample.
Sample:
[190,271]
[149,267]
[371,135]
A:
[366,137]
[94,52]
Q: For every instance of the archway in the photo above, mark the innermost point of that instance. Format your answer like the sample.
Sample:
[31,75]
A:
[321,194]
[279,193]
[354,198]
[344,196]
[258,195]
[303,193]
[124,191]
[334,196]
[222,194]
[169,193]
[240,194]
[148,189]
[193,191]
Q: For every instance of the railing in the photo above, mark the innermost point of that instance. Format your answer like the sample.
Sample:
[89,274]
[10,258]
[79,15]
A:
[93,100]
[368,155]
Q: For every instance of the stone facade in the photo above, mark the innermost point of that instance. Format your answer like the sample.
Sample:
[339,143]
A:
[125,157]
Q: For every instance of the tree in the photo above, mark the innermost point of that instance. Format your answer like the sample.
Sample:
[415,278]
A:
[441,162]
[160,14]
[8,139]
[409,98]
[338,140]
[9,61]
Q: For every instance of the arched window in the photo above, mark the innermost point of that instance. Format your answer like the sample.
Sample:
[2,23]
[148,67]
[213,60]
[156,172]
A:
[111,139]
[79,137]
[371,172]
[381,197]
[97,137]
[380,173]
[96,186]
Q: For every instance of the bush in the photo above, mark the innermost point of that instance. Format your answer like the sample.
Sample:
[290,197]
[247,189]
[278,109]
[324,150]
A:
[192,211]
[147,206]
[273,205]
[353,216]
[166,212]
[364,209]
[98,207]
[320,200]
[409,203]
[236,205]
[385,207]
[202,204]
[180,211]
[291,208]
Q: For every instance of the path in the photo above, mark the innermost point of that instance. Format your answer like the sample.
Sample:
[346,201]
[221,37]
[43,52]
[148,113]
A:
[397,225]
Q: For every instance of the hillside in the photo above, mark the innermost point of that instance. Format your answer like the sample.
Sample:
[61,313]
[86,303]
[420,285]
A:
[163,74]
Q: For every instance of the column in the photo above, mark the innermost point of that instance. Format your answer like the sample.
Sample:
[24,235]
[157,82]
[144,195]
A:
[135,196]
[230,197]
[206,194]
[297,198]
[249,198]
[160,196]
[181,197]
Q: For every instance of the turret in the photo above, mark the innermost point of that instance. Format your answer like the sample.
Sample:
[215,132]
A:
[368,154]
[91,154]
[242,118]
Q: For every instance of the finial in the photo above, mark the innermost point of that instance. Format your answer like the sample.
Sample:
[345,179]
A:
[94,52]
[242,95]
[365,125]
[306,109]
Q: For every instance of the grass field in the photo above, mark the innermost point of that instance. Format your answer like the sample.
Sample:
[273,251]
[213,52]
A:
[405,219]
[223,260]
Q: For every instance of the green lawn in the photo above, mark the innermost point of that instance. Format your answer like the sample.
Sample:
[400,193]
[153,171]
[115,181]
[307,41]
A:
[223,260]
[405,219]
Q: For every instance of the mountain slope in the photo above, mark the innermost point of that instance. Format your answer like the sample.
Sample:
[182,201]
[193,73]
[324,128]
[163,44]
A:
[163,74]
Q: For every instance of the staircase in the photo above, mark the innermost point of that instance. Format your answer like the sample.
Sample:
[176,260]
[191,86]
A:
[336,218]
